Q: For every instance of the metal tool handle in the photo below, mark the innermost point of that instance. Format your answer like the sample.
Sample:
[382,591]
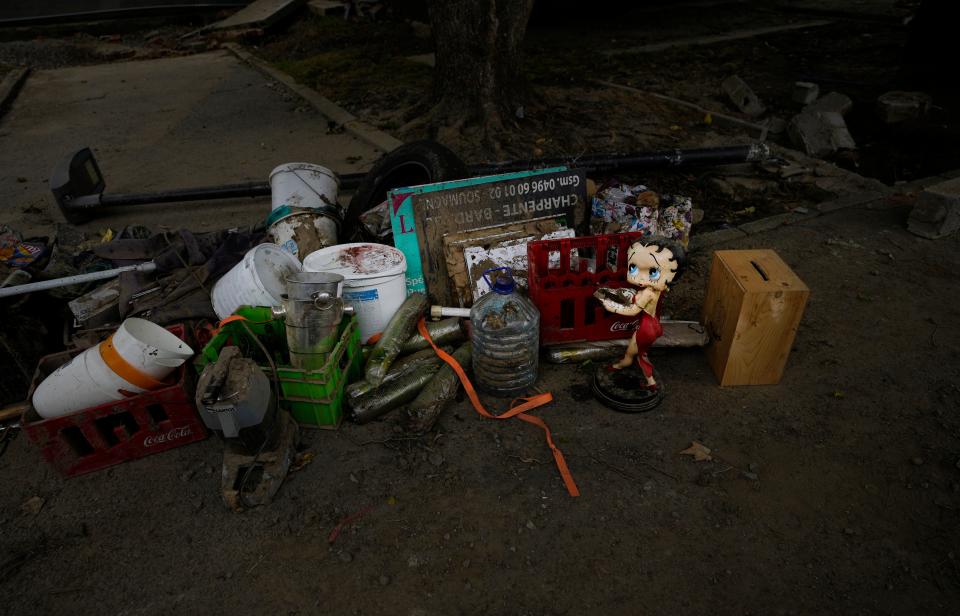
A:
[43,285]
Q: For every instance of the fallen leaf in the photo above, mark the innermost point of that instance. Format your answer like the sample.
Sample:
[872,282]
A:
[33,505]
[301,460]
[699,451]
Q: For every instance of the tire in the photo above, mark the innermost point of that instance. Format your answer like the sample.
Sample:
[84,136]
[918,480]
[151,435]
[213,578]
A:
[420,162]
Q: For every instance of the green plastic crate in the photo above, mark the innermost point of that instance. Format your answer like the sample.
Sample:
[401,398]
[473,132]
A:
[313,397]
[260,320]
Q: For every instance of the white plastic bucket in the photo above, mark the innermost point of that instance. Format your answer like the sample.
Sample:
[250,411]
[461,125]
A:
[256,281]
[71,388]
[151,349]
[374,280]
[303,185]
[111,384]
[303,232]
[87,380]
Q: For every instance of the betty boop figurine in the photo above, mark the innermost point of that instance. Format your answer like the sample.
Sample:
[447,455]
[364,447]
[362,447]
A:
[653,265]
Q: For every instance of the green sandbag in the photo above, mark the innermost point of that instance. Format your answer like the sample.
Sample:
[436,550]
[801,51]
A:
[425,409]
[391,395]
[402,367]
[447,331]
[403,323]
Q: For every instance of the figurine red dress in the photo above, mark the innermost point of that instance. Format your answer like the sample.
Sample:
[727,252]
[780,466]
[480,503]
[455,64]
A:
[652,266]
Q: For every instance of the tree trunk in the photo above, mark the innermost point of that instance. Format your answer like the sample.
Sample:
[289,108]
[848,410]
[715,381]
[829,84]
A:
[478,75]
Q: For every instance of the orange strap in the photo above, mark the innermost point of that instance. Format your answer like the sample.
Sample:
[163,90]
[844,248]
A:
[124,369]
[518,411]
[230,319]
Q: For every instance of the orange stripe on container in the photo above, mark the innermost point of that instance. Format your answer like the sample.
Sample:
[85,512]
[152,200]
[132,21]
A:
[124,369]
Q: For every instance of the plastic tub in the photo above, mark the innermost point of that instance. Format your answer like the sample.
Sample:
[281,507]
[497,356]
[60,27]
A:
[258,280]
[135,359]
[303,185]
[71,388]
[374,280]
[149,348]
[112,385]
[301,231]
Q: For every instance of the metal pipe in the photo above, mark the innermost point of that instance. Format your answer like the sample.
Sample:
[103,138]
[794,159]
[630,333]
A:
[245,189]
[229,191]
[647,160]
[597,163]
[43,285]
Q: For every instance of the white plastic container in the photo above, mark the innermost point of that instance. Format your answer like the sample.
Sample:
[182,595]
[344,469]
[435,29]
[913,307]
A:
[143,351]
[374,280]
[258,280]
[303,185]
[72,387]
[151,349]
[301,232]
[111,384]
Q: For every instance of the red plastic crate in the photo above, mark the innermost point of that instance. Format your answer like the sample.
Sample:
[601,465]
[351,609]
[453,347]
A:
[115,432]
[564,293]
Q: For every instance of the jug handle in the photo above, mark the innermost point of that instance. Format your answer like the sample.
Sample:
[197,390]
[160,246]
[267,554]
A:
[496,269]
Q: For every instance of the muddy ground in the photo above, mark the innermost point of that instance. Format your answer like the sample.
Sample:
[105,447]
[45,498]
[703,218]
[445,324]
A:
[836,491]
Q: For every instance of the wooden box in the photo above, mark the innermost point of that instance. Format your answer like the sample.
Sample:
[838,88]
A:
[752,309]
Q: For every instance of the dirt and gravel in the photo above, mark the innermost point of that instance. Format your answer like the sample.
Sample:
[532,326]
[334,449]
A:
[836,491]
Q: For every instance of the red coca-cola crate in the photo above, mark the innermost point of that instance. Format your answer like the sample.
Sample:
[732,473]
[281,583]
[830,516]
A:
[115,432]
[562,276]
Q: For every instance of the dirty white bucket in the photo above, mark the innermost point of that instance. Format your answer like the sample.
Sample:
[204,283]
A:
[301,231]
[303,185]
[256,281]
[374,280]
[135,359]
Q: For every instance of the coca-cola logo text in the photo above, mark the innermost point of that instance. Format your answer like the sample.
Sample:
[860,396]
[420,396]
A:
[172,435]
[624,326]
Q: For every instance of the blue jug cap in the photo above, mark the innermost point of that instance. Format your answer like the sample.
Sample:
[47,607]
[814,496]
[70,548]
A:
[504,284]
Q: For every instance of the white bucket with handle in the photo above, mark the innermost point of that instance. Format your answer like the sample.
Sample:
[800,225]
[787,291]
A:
[374,280]
[135,359]
[303,185]
[301,231]
[258,280]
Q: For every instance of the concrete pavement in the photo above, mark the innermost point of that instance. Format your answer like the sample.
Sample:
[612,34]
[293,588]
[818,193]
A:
[170,123]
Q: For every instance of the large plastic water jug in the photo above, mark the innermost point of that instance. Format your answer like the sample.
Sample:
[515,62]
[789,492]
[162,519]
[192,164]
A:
[506,337]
